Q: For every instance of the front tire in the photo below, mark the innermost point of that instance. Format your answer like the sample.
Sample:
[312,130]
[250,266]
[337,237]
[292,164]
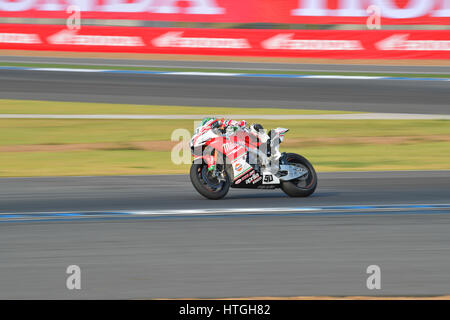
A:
[207,185]
[304,186]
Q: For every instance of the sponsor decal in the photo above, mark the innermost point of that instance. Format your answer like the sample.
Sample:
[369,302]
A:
[284,41]
[238,167]
[176,40]
[253,178]
[257,180]
[70,37]
[227,147]
[24,38]
[401,42]
[243,176]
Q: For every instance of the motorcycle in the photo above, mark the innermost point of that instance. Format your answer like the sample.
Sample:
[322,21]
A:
[245,159]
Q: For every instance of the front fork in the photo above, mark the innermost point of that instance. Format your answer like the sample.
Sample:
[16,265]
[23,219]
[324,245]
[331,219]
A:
[211,161]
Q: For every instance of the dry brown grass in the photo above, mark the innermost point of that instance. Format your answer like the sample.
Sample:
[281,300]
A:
[167,145]
[144,145]
[302,142]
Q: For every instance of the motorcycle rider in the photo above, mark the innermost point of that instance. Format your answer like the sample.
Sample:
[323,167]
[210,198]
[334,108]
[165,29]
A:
[223,151]
[257,130]
[229,127]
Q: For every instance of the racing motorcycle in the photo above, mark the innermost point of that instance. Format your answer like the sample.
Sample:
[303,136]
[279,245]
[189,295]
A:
[246,158]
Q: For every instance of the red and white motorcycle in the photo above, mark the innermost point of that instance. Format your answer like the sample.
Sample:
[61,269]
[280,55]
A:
[247,158]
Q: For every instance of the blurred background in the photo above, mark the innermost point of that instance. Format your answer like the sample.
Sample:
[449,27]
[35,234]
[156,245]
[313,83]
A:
[341,47]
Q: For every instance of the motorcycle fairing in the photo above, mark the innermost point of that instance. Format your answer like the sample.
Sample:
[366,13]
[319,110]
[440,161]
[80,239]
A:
[270,179]
[251,179]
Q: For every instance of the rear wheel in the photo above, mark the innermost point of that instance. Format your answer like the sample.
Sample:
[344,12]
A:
[207,184]
[303,186]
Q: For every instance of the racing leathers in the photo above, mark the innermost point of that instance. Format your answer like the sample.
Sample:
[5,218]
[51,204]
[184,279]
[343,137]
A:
[229,127]
[255,132]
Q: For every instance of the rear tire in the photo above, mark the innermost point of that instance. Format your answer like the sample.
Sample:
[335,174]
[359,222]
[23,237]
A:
[206,185]
[304,186]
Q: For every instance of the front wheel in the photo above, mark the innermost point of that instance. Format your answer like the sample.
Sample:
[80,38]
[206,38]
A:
[303,186]
[207,184]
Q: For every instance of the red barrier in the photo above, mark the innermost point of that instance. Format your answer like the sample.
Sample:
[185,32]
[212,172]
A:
[370,44]
[238,11]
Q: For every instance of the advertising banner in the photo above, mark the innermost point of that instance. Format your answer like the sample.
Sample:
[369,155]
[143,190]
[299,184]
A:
[369,44]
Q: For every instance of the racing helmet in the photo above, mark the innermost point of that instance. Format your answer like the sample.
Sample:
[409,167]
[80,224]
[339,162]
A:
[211,121]
[205,120]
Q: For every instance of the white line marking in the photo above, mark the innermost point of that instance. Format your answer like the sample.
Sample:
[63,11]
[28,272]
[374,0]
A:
[220,211]
[229,74]
[216,211]
[216,74]
[68,70]
[342,77]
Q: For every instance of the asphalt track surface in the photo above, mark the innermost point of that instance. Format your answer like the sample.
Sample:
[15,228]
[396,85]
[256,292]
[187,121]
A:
[230,255]
[426,97]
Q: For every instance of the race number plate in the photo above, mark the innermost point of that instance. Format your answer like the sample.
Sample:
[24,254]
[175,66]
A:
[269,178]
